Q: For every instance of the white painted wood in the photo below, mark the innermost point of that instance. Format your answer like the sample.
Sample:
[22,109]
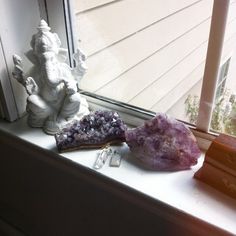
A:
[7,99]
[128,85]
[104,26]
[121,57]
[20,21]
[57,21]
[216,40]
[84,5]
[43,10]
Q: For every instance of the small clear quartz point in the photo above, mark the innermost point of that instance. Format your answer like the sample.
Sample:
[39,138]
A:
[102,157]
[115,159]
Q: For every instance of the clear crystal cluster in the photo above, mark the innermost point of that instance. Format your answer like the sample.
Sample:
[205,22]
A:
[163,143]
[93,130]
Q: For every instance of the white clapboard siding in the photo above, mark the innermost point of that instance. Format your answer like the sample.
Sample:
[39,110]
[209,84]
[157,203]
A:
[163,85]
[178,110]
[104,26]
[232,11]
[161,88]
[185,85]
[148,71]
[85,5]
[147,53]
[188,82]
[117,59]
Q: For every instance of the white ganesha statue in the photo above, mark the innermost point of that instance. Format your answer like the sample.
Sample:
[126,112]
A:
[51,84]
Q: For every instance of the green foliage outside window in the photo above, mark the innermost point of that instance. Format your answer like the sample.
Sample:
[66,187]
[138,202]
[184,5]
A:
[223,115]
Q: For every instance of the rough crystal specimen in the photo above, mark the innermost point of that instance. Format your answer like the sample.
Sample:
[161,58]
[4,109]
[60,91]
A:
[93,130]
[103,155]
[163,143]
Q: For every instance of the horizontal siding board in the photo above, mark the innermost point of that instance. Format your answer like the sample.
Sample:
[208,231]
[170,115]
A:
[165,84]
[152,68]
[229,47]
[186,84]
[102,27]
[178,109]
[109,64]
[232,10]
[120,88]
[85,5]
[123,65]
[170,80]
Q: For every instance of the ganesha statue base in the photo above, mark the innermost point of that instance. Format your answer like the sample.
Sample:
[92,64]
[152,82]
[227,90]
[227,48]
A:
[41,115]
[51,84]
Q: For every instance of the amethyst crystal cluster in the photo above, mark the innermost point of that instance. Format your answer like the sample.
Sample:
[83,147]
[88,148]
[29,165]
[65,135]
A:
[163,143]
[93,130]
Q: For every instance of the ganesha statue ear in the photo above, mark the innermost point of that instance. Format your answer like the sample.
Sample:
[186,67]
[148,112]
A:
[53,99]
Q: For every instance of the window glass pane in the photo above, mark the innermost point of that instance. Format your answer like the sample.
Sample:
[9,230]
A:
[149,54]
[224,110]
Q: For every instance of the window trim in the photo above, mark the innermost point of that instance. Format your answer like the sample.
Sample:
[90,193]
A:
[59,18]
[214,53]
[8,108]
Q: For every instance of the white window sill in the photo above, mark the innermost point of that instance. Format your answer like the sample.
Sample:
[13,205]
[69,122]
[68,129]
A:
[177,191]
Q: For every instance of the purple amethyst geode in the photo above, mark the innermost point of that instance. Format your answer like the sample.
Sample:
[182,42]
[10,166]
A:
[93,130]
[163,143]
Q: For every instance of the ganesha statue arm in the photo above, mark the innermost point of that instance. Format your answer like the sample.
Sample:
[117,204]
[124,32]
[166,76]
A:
[28,82]
[71,87]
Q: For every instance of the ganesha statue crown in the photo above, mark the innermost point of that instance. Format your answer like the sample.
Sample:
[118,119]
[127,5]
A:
[51,84]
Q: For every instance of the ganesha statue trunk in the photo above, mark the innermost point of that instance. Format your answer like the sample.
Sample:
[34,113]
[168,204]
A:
[52,85]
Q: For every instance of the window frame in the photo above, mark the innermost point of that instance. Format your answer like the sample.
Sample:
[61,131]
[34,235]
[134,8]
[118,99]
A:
[8,108]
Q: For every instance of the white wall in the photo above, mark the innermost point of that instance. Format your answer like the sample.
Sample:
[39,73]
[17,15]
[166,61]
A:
[19,20]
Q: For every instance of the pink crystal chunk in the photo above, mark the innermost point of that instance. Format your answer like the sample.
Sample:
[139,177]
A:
[163,143]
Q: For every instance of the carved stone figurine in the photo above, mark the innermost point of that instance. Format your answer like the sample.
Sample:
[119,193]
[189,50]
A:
[51,84]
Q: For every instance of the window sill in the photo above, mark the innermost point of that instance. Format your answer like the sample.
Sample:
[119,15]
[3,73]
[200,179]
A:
[175,196]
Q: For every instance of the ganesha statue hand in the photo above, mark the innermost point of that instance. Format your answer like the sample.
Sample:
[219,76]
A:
[51,84]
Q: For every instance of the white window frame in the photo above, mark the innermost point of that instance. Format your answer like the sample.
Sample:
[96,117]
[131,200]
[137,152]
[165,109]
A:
[214,52]
[8,108]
